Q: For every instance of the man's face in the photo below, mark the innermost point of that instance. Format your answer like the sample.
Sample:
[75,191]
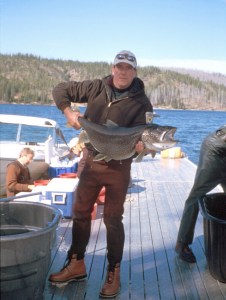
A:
[27,159]
[123,75]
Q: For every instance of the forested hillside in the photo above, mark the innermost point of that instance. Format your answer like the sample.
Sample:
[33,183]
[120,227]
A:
[30,79]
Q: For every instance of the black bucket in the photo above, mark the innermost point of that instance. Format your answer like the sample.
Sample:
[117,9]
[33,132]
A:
[28,232]
[213,209]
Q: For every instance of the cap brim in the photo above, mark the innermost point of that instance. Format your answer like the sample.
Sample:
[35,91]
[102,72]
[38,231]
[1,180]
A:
[131,63]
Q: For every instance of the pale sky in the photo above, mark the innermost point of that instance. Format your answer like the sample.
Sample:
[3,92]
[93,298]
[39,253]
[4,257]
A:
[165,33]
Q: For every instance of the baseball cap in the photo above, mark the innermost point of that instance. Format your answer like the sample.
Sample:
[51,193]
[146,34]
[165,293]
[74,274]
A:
[126,56]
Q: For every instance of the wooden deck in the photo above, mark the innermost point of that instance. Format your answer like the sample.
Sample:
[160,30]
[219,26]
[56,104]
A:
[150,268]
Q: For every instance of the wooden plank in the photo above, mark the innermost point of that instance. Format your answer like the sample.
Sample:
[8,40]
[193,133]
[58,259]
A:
[60,258]
[163,211]
[98,264]
[125,270]
[137,283]
[151,285]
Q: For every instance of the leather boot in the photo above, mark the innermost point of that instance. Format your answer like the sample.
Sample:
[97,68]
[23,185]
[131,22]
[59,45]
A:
[75,270]
[185,252]
[112,283]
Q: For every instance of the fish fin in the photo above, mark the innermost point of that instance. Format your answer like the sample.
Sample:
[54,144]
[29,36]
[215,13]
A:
[110,123]
[107,158]
[153,153]
[101,156]
[140,156]
[83,137]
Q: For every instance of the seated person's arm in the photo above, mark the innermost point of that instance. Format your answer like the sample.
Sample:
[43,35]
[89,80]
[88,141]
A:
[11,181]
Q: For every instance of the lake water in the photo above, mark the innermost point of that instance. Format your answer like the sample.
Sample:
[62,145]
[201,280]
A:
[192,126]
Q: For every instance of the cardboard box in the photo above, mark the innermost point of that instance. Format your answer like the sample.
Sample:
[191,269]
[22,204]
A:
[61,192]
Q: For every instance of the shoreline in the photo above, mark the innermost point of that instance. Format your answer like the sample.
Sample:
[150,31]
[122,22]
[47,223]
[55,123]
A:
[85,105]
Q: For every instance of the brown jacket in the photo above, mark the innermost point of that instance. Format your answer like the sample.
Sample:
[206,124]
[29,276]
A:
[17,179]
[127,111]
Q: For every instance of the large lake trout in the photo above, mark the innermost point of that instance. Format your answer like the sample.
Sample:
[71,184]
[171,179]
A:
[118,143]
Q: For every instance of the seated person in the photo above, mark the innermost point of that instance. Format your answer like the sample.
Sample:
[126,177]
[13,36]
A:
[18,177]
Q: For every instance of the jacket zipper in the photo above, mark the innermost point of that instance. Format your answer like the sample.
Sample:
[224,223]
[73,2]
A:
[116,101]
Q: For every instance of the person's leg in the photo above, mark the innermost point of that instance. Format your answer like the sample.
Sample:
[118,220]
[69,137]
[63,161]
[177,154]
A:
[205,181]
[86,195]
[116,189]
[113,210]
[208,176]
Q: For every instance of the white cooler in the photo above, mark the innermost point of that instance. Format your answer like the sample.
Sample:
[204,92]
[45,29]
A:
[30,197]
[61,192]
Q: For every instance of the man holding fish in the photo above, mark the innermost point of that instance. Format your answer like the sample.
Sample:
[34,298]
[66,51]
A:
[114,102]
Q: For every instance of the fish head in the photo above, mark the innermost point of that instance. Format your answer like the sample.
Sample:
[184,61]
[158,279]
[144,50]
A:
[158,138]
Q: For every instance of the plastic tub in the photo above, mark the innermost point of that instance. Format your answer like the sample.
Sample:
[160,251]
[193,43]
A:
[213,209]
[27,235]
[68,175]
[41,182]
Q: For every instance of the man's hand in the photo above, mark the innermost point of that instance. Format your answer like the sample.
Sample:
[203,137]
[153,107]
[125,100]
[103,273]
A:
[72,117]
[139,147]
[30,187]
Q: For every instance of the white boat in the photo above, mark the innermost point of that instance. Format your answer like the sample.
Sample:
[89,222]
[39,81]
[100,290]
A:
[40,134]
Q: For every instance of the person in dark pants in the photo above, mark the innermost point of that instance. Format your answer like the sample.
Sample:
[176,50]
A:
[119,97]
[211,171]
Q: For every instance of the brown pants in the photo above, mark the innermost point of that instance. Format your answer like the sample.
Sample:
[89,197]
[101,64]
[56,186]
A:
[115,176]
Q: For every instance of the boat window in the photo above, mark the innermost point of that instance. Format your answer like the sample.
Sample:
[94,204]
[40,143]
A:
[35,134]
[28,134]
[8,132]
